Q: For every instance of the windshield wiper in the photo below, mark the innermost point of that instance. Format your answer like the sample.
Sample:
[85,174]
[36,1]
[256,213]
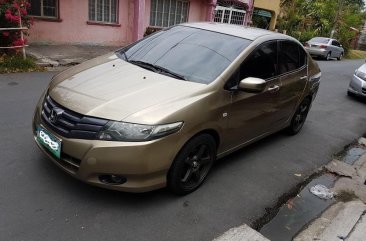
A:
[157,69]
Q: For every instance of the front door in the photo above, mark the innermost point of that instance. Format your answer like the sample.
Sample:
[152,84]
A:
[254,114]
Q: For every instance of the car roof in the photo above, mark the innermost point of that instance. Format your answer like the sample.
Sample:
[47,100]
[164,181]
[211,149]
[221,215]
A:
[234,30]
[324,38]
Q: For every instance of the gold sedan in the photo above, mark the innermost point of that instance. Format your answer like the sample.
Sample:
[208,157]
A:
[159,112]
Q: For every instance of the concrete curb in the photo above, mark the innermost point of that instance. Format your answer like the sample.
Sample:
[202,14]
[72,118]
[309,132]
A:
[344,220]
[336,223]
[241,233]
[64,56]
[43,60]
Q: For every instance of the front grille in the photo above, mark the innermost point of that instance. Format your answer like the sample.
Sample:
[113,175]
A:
[70,124]
[364,90]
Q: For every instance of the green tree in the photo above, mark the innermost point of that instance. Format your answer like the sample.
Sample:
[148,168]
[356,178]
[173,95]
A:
[304,19]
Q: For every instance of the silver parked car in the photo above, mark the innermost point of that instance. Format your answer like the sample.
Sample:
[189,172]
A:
[357,86]
[325,48]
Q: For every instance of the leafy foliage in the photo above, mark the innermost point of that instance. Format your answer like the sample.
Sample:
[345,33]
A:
[12,64]
[304,19]
[11,13]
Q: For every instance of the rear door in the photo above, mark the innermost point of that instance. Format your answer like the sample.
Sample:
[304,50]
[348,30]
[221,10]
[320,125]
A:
[336,49]
[293,74]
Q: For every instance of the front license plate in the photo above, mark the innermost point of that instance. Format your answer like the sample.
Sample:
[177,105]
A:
[52,143]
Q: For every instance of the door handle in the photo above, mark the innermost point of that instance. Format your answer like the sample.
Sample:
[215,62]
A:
[304,77]
[273,88]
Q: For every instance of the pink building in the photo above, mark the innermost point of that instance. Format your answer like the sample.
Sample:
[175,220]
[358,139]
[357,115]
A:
[119,22]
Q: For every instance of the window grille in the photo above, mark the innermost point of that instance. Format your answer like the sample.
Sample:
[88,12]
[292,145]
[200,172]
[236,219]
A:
[103,11]
[165,13]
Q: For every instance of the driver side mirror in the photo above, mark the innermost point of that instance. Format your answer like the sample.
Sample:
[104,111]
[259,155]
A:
[252,85]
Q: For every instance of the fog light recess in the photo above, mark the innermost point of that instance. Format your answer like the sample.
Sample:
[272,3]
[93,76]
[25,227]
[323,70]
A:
[112,179]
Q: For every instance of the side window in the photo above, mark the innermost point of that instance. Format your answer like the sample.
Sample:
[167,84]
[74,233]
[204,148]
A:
[303,57]
[261,63]
[289,57]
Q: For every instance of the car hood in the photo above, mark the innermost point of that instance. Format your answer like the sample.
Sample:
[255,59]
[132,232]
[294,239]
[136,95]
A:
[110,88]
[362,68]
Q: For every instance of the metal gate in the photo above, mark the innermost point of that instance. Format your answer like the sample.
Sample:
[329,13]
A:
[229,15]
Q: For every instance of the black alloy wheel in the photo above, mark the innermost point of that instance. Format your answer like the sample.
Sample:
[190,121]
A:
[299,117]
[192,165]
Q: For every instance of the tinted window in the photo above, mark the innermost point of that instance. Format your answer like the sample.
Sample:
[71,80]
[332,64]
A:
[261,63]
[289,57]
[335,43]
[303,57]
[198,55]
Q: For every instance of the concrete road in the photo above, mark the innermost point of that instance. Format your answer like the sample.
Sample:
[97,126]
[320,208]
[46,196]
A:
[40,202]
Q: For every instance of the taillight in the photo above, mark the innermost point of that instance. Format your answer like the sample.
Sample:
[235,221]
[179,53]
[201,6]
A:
[323,46]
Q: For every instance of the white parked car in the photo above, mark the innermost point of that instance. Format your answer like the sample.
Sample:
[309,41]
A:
[357,86]
[325,48]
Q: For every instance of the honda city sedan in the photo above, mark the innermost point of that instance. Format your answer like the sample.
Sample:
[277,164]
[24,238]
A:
[159,112]
[326,48]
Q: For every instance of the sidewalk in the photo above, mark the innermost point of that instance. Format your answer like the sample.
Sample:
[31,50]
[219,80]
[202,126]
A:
[59,57]
[344,220]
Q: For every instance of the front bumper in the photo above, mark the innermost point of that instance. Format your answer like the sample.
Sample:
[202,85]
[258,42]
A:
[357,86]
[143,164]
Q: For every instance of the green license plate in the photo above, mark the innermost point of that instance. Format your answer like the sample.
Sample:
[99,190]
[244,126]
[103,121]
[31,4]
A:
[52,143]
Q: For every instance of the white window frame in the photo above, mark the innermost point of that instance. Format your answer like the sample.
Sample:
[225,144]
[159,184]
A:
[154,19]
[231,10]
[95,17]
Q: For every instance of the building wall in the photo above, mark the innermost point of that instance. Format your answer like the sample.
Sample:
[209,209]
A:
[197,10]
[73,26]
[272,6]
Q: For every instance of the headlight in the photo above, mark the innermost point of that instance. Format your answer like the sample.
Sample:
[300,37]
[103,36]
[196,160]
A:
[123,131]
[360,75]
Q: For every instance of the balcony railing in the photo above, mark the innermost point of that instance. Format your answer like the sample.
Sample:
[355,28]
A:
[21,29]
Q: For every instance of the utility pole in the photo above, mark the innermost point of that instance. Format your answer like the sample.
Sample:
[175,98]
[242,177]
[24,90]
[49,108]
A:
[340,3]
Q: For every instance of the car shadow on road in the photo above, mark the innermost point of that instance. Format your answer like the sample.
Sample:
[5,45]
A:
[357,98]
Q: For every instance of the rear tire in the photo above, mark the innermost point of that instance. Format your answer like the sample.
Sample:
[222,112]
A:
[328,56]
[192,165]
[299,117]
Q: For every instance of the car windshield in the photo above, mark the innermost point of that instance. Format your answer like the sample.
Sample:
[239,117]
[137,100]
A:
[320,40]
[186,53]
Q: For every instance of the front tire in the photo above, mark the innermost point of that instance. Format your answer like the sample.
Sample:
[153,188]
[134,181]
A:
[192,165]
[340,57]
[299,117]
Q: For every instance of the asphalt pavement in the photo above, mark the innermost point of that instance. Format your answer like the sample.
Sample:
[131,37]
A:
[40,202]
